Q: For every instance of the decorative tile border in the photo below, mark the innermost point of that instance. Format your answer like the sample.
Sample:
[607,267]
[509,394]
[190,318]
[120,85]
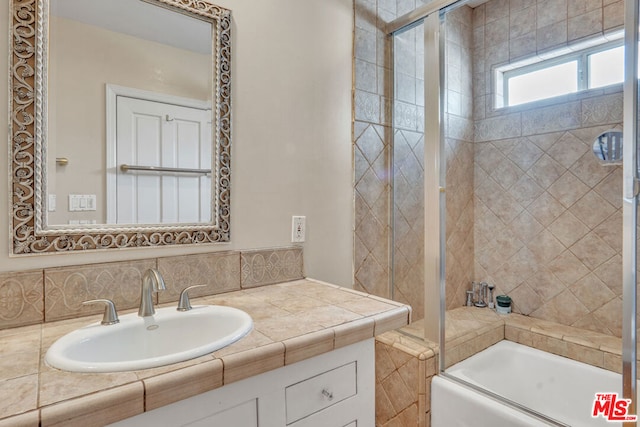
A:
[269,266]
[21,299]
[44,295]
[67,287]
[218,271]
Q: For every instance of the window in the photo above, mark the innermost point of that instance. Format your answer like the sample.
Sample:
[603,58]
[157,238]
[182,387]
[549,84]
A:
[606,67]
[547,82]
[585,69]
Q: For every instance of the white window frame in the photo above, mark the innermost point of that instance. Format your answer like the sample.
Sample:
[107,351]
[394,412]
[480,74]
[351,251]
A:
[504,73]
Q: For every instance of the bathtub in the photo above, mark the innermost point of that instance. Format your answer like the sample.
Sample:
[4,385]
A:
[557,387]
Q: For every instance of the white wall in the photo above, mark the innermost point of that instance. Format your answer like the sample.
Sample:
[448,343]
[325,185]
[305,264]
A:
[291,137]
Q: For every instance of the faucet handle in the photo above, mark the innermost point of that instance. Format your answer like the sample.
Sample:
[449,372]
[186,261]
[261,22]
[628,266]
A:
[110,316]
[184,304]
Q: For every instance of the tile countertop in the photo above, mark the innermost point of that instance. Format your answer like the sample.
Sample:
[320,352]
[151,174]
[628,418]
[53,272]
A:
[293,321]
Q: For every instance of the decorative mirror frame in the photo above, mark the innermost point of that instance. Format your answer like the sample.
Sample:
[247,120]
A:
[28,146]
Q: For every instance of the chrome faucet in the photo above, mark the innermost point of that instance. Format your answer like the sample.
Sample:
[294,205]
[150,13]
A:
[152,281]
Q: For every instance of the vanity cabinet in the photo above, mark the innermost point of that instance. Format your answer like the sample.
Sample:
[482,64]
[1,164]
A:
[335,389]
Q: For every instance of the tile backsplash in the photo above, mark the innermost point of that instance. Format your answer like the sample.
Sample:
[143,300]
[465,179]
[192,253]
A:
[218,271]
[265,267]
[51,294]
[67,287]
[21,298]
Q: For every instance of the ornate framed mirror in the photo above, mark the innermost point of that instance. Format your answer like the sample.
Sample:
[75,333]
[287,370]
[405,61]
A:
[52,125]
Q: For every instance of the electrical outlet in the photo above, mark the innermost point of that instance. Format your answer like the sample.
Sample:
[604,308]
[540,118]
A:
[298,228]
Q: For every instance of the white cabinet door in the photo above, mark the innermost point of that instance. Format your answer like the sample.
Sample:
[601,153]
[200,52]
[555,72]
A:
[335,389]
[211,409]
[150,133]
[242,415]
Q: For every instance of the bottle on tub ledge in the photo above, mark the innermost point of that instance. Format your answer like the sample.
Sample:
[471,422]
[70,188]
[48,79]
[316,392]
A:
[480,295]
[503,304]
[490,287]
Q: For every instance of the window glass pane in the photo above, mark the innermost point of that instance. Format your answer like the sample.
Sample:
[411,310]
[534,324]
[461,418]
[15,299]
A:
[547,82]
[606,67]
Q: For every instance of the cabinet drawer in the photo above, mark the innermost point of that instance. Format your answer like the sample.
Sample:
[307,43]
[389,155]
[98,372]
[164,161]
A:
[316,393]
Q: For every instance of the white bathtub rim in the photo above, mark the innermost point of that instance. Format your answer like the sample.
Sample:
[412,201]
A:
[464,374]
[502,400]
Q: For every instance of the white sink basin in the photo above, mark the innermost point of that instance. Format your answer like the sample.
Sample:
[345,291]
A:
[169,336]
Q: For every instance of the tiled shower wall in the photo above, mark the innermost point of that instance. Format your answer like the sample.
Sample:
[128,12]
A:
[458,154]
[547,215]
[408,148]
[373,152]
[372,135]
[408,170]
[373,87]
[540,216]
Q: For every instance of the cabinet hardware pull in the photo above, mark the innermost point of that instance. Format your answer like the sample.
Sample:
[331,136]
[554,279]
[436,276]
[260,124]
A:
[326,393]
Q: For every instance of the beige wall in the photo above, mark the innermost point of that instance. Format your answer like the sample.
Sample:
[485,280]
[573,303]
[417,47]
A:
[291,130]
[83,59]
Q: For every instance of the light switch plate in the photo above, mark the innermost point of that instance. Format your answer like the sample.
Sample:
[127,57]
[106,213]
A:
[82,202]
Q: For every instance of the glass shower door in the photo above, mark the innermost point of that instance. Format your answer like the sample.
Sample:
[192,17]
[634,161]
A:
[408,207]
[536,206]
[418,185]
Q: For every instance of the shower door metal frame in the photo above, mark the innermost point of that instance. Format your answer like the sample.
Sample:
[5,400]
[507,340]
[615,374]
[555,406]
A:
[630,207]
[431,17]
[434,184]
[434,190]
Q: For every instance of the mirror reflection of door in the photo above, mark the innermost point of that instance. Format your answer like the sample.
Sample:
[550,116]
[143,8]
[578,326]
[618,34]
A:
[158,134]
[125,43]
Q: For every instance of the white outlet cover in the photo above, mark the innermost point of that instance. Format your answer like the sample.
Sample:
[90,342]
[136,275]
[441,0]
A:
[298,229]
